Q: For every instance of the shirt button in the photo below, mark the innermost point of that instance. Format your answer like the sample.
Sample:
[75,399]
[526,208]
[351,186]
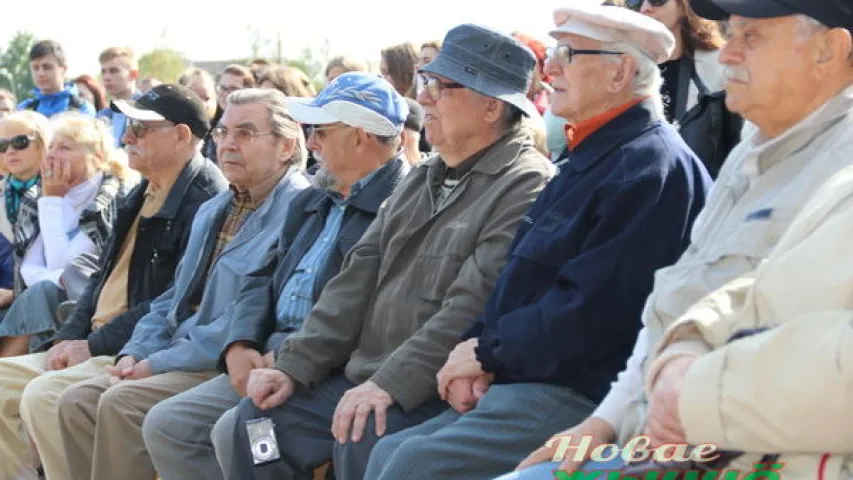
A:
[308,271]
[293,297]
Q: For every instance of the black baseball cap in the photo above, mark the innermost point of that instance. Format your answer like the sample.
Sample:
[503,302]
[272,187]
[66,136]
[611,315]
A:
[415,118]
[170,102]
[832,13]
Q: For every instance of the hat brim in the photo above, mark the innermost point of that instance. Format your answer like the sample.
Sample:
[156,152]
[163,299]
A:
[723,9]
[446,67]
[130,110]
[303,112]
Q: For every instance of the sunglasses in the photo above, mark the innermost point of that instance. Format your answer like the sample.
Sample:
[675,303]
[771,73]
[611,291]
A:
[139,128]
[18,142]
[636,5]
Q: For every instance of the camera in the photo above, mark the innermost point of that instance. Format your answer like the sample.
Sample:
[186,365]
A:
[262,440]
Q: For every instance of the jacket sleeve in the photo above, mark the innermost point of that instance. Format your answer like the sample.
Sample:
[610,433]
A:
[253,311]
[79,323]
[408,375]
[330,332]
[636,229]
[112,336]
[785,390]
[196,351]
[153,332]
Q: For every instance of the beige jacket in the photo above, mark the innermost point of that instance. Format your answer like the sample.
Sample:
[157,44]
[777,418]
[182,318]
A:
[416,279]
[784,390]
[761,188]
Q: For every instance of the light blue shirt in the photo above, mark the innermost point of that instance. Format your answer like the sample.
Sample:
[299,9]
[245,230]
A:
[297,299]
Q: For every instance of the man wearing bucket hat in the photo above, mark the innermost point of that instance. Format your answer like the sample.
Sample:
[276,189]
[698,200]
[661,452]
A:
[565,312]
[365,359]
[790,76]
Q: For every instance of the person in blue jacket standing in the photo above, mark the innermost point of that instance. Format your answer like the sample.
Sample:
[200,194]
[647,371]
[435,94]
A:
[52,94]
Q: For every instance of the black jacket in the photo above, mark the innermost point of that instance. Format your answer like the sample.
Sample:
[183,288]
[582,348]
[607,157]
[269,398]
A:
[306,218]
[160,243]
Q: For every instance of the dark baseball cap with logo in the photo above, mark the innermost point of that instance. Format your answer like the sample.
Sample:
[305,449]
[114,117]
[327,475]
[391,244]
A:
[169,102]
[832,13]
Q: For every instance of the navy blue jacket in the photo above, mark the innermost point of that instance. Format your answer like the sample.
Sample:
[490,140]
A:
[7,275]
[566,308]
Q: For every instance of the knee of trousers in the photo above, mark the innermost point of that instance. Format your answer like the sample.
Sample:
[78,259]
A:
[117,400]
[161,426]
[72,400]
[222,434]
[39,399]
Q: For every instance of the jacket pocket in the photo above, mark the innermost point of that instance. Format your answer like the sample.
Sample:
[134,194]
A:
[437,273]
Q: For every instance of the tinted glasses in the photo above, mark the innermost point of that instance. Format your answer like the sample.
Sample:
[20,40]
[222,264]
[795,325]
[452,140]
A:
[638,4]
[18,142]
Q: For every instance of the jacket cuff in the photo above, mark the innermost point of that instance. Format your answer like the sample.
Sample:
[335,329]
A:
[485,353]
[400,388]
[298,369]
[682,348]
[699,403]
[98,346]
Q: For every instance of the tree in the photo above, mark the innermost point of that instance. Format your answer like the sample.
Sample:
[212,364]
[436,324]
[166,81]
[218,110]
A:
[164,64]
[15,66]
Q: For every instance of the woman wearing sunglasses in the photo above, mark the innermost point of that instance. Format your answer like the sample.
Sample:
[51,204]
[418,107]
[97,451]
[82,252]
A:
[78,176]
[693,81]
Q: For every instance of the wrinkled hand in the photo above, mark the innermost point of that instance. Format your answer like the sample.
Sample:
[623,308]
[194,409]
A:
[55,356]
[269,388]
[461,363]
[129,369]
[76,352]
[463,394]
[241,360]
[599,432]
[56,178]
[6,297]
[663,423]
[354,409]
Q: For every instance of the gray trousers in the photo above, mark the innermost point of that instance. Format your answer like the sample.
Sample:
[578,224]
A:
[177,430]
[303,430]
[509,422]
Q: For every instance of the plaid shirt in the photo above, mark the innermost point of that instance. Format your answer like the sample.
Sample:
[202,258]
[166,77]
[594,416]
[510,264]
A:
[239,209]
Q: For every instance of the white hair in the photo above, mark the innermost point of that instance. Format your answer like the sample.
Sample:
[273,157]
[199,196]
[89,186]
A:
[647,79]
[808,26]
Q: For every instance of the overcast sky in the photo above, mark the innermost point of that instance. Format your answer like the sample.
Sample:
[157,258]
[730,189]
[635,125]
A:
[220,30]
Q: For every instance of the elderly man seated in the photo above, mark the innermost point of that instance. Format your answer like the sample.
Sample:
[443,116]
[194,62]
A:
[176,345]
[363,364]
[566,309]
[137,265]
[791,76]
[363,162]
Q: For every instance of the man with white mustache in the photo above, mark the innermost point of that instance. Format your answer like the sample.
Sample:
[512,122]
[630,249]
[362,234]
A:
[791,77]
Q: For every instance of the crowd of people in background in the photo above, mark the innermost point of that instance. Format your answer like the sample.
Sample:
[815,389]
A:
[442,269]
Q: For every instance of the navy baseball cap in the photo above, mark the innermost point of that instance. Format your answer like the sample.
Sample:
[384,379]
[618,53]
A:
[359,99]
[832,13]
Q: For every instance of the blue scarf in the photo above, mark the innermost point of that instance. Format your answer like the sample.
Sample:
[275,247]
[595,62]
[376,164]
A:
[15,189]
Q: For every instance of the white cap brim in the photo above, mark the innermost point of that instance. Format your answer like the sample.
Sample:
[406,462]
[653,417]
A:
[341,111]
[137,113]
[301,110]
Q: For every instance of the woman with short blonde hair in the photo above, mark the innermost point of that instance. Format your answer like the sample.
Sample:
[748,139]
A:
[81,174]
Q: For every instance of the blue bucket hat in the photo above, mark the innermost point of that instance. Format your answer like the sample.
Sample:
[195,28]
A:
[488,62]
[358,99]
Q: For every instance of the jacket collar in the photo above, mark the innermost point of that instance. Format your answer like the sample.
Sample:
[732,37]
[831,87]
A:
[613,134]
[370,198]
[179,189]
[495,160]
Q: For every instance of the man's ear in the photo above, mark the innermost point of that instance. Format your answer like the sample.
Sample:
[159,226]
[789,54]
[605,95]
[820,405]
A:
[834,47]
[623,75]
[494,110]
[184,133]
[134,74]
[288,147]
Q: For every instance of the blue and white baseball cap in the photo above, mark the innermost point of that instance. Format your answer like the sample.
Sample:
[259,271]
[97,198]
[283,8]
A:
[358,99]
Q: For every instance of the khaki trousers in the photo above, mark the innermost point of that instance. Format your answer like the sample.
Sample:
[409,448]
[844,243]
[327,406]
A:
[28,396]
[101,424]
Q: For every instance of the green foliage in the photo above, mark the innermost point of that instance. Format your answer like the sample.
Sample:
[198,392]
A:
[163,63]
[15,66]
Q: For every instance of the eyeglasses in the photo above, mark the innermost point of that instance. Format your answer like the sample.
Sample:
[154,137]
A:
[319,131]
[565,55]
[241,134]
[636,5]
[433,86]
[139,128]
[18,142]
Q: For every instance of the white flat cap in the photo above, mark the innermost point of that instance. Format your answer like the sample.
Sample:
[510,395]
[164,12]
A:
[606,23]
